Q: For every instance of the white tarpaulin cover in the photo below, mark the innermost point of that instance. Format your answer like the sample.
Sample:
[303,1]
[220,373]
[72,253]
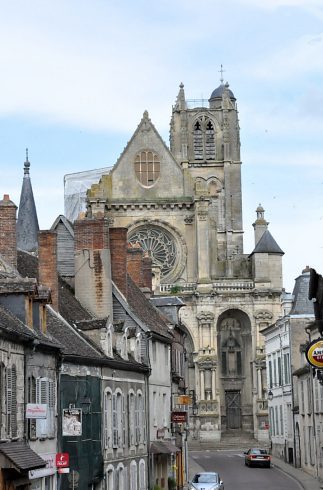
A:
[75,187]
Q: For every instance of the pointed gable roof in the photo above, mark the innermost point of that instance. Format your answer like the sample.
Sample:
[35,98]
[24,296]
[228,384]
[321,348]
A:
[68,225]
[144,125]
[27,223]
[268,245]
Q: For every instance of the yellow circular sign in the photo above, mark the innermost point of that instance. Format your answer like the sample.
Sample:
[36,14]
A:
[314,353]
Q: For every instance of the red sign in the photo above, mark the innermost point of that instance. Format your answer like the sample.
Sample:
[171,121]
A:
[179,417]
[62,460]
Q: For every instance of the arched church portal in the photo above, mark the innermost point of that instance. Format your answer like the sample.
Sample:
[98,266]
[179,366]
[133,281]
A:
[234,357]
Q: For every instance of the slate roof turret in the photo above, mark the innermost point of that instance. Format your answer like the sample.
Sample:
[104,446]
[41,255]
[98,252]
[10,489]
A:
[27,223]
[268,245]
[301,304]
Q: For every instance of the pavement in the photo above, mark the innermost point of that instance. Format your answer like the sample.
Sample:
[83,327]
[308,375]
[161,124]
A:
[307,481]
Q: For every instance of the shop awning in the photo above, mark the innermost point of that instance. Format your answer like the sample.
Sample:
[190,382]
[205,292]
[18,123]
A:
[163,447]
[20,456]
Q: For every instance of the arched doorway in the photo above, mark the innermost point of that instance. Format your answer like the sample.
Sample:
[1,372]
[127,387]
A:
[235,370]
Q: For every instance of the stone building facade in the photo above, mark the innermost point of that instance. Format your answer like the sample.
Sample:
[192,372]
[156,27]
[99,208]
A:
[183,205]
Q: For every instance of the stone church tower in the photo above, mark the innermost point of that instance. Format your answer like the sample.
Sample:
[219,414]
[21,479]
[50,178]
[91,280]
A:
[183,204]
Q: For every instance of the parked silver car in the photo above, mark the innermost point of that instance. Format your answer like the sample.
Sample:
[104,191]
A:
[206,481]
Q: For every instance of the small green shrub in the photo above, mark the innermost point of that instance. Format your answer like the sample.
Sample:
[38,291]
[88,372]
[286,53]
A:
[171,483]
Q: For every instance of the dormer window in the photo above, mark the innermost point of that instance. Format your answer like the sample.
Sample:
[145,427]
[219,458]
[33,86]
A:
[204,139]
[147,167]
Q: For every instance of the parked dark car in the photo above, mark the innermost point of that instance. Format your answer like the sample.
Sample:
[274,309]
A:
[257,457]
[206,481]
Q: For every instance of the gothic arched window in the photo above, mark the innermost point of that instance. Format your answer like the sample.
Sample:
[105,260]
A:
[204,139]
[147,167]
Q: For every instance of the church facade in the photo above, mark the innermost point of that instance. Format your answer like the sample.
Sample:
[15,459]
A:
[183,205]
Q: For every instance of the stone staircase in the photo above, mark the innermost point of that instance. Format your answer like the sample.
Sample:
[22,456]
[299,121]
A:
[235,440]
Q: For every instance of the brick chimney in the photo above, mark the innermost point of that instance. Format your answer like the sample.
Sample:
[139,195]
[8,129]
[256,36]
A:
[93,286]
[118,249]
[134,263]
[8,240]
[147,271]
[47,263]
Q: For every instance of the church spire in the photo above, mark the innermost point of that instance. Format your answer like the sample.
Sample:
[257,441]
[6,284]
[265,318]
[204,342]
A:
[27,223]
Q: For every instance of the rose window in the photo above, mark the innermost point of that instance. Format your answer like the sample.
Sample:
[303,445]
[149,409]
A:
[160,246]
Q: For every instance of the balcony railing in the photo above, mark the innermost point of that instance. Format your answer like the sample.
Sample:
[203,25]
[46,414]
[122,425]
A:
[218,286]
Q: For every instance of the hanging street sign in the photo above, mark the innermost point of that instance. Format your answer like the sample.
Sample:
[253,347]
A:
[314,353]
[179,417]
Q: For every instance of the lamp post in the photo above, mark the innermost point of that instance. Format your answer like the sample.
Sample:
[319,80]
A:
[270,396]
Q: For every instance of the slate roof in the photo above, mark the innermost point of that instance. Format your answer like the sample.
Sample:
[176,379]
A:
[27,223]
[301,304]
[20,454]
[218,92]
[68,225]
[73,342]
[10,323]
[146,311]
[12,326]
[267,244]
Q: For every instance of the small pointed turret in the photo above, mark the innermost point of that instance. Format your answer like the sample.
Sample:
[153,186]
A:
[27,224]
[180,103]
[260,225]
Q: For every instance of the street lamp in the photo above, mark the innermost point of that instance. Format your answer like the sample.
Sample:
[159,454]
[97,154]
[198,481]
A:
[270,395]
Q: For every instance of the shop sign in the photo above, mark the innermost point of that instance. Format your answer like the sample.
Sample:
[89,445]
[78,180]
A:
[72,422]
[184,400]
[62,460]
[50,468]
[314,353]
[179,417]
[36,411]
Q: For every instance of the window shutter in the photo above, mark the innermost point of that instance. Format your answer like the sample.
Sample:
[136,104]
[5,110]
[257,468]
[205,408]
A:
[106,421]
[9,400]
[137,432]
[42,395]
[14,428]
[114,421]
[123,421]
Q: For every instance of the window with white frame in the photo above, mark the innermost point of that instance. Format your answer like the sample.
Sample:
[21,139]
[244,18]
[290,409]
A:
[301,399]
[133,475]
[309,396]
[277,420]
[270,374]
[279,367]
[287,368]
[140,419]
[165,410]
[281,417]
[45,394]
[108,438]
[155,408]
[32,399]
[311,445]
[272,421]
[132,416]
[118,420]
[124,345]
[142,475]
